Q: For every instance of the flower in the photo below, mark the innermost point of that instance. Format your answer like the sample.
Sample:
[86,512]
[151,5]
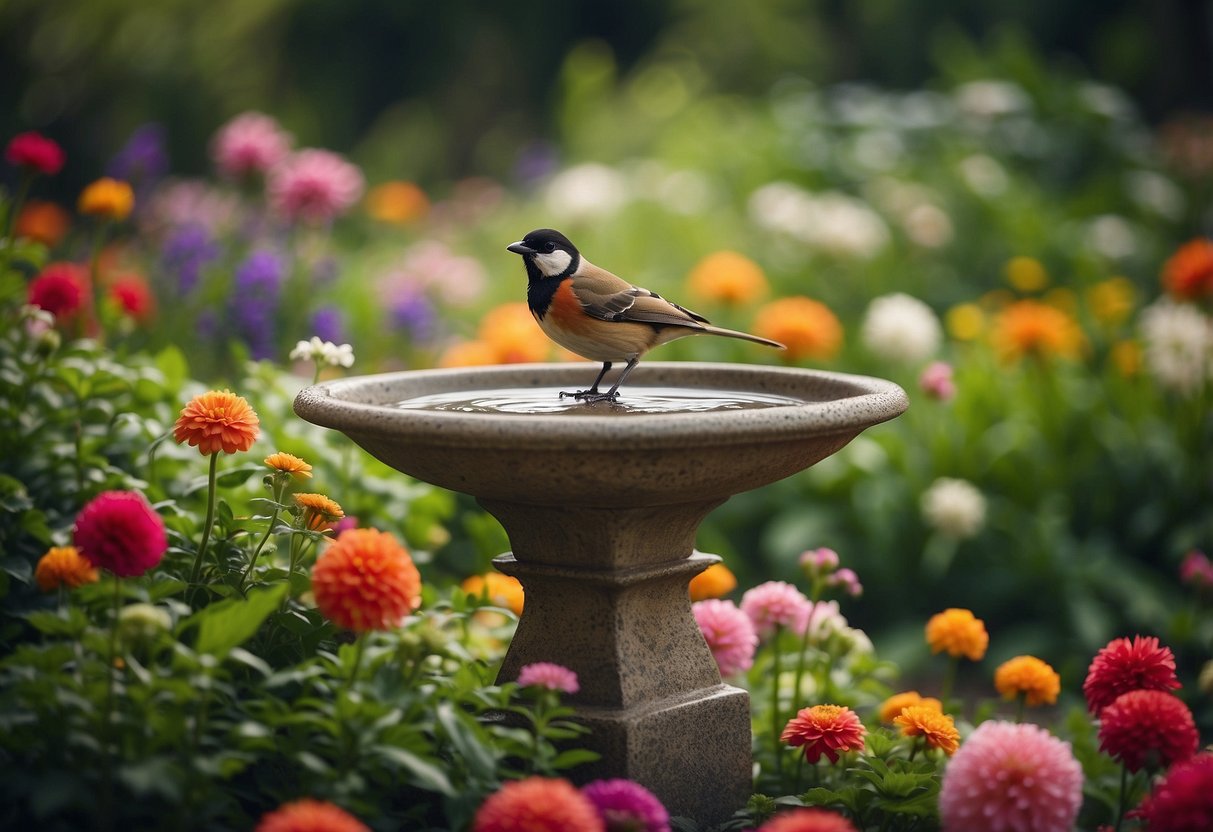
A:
[1011,778]
[1197,570]
[958,633]
[36,152]
[936,381]
[965,322]
[328,323]
[935,727]
[831,222]
[588,191]
[323,352]
[133,297]
[806,327]
[309,815]
[249,144]
[289,464]
[468,354]
[825,730]
[729,634]
[1182,801]
[366,581]
[215,421]
[1123,665]
[716,581]
[808,820]
[537,804]
[1188,274]
[627,806]
[398,203]
[1178,345]
[1147,728]
[319,512]
[895,704]
[776,604]
[63,566]
[143,159]
[512,334]
[818,563]
[847,580]
[109,199]
[901,328]
[1029,677]
[954,507]
[142,622]
[1026,274]
[1111,301]
[42,221]
[1029,327]
[61,289]
[548,675]
[499,590]
[186,251]
[313,186]
[255,299]
[727,277]
[121,532]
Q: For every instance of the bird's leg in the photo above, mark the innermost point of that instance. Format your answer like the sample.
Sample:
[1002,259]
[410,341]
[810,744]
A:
[593,391]
[613,394]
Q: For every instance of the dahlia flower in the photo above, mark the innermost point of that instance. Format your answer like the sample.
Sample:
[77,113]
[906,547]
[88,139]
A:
[808,820]
[825,730]
[1123,665]
[314,186]
[251,143]
[1147,728]
[550,676]
[776,604]
[366,581]
[310,816]
[627,806]
[729,634]
[537,804]
[121,532]
[1182,801]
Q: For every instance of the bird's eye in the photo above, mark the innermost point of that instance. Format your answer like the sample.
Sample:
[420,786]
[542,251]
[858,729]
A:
[549,247]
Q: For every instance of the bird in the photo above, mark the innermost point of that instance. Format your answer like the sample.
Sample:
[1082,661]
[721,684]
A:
[599,315]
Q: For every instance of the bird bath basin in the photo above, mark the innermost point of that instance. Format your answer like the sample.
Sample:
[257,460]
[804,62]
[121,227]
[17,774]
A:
[601,503]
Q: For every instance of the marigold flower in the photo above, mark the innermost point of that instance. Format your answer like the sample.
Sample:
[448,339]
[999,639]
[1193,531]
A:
[898,702]
[808,820]
[1011,778]
[714,582]
[309,815]
[512,334]
[729,634]
[398,203]
[215,421]
[1123,665]
[825,730]
[108,199]
[627,806]
[1029,677]
[775,604]
[319,512]
[1026,274]
[548,675]
[36,152]
[121,532]
[537,804]
[314,186]
[500,590]
[1147,728]
[42,221]
[805,326]
[727,277]
[935,727]
[133,296]
[1111,301]
[958,633]
[289,464]
[366,581]
[1182,801]
[250,143]
[61,289]
[1188,274]
[63,566]
[1029,327]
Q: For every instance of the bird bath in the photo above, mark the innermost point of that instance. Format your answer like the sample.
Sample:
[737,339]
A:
[601,503]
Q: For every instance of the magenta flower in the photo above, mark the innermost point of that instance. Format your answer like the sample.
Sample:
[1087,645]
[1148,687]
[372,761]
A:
[1182,801]
[1010,777]
[776,604]
[626,806]
[249,144]
[314,186]
[548,675]
[936,381]
[729,633]
[1197,570]
[121,532]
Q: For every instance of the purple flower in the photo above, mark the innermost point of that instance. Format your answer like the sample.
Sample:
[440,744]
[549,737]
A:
[626,806]
[143,159]
[254,301]
[328,324]
[185,253]
[413,312]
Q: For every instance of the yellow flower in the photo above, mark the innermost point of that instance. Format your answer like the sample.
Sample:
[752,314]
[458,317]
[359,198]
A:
[898,702]
[1111,301]
[958,633]
[398,203]
[1126,357]
[936,728]
[108,198]
[965,322]
[63,566]
[727,277]
[806,327]
[289,464]
[319,512]
[1029,677]
[1029,327]
[500,590]
[716,581]
[1026,274]
[511,332]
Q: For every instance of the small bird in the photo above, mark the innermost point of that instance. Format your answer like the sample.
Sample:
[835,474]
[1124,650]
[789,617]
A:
[601,316]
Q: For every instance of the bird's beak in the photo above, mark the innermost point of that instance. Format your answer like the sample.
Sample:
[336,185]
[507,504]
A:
[519,248]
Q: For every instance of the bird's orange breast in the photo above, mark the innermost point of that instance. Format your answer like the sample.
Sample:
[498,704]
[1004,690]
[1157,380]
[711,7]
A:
[566,311]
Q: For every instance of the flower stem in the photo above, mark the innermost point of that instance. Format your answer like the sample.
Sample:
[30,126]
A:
[1023,703]
[210,520]
[775,667]
[265,538]
[108,735]
[1120,803]
[949,682]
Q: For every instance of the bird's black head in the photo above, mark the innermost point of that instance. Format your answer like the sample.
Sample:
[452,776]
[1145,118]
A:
[547,253]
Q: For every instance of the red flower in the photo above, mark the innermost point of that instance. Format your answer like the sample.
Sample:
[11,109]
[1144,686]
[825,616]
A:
[134,298]
[1182,801]
[1188,275]
[61,289]
[310,816]
[807,820]
[1122,666]
[537,804]
[1147,728]
[825,729]
[121,532]
[33,150]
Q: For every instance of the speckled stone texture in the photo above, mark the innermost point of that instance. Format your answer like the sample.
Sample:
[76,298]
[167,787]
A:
[601,512]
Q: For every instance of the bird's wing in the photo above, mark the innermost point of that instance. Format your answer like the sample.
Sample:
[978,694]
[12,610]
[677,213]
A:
[611,298]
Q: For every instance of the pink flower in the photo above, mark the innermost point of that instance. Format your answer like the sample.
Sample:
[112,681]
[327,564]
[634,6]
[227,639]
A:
[848,580]
[626,806]
[729,634]
[1182,801]
[548,675]
[251,143]
[314,186]
[776,604]
[1197,570]
[936,381]
[817,562]
[1011,778]
[119,531]
[36,152]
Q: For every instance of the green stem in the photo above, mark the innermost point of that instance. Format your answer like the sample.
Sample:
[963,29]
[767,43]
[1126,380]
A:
[1019,711]
[27,178]
[347,757]
[108,735]
[210,520]
[949,682]
[1120,803]
[265,538]
[775,667]
[94,272]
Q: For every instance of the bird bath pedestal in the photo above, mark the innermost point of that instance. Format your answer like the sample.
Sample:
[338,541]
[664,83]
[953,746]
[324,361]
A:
[601,504]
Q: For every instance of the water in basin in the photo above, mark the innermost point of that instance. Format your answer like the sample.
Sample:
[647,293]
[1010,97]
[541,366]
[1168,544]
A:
[632,400]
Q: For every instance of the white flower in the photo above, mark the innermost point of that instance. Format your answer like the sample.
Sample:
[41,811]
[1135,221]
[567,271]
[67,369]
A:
[987,99]
[1156,192]
[308,350]
[983,175]
[338,355]
[832,222]
[954,507]
[586,191]
[323,352]
[1178,345]
[1112,236]
[141,622]
[899,327]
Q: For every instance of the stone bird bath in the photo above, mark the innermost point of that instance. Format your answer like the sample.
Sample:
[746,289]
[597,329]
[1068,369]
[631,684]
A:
[601,504]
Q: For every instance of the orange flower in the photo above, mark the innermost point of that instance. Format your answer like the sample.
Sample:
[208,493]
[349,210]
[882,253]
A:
[958,633]
[1029,677]
[107,198]
[716,581]
[468,354]
[1188,274]
[45,222]
[936,728]
[319,512]
[500,590]
[366,581]
[825,730]
[729,278]
[537,804]
[806,327]
[63,566]
[511,332]
[289,464]
[1111,301]
[1029,327]
[217,420]
[398,203]
[309,815]
[898,702]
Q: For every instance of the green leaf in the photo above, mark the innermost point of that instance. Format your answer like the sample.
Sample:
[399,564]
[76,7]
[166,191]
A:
[574,757]
[422,773]
[171,362]
[228,624]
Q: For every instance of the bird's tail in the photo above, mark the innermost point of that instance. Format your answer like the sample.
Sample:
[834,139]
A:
[708,329]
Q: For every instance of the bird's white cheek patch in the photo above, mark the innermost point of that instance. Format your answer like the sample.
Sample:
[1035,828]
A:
[553,263]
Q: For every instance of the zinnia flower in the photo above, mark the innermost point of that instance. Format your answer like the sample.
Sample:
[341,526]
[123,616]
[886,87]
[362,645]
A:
[776,604]
[899,327]
[825,730]
[935,727]
[714,582]
[550,676]
[1147,728]
[808,820]
[1188,274]
[108,199]
[805,326]
[499,590]
[42,221]
[1029,677]
[289,464]
[954,507]
[366,581]
[63,566]
[36,152]
[398,203]
[727,277]
[1182,801]
[958,633]
[537,804]
[309,815]
[314,186]
[61,289]
[729,634]
[251,143]
[121,532]
[1011,778]
[627,806]
[1029,327]
[319,512]
[895,704]
[215,421]
[1123,665]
